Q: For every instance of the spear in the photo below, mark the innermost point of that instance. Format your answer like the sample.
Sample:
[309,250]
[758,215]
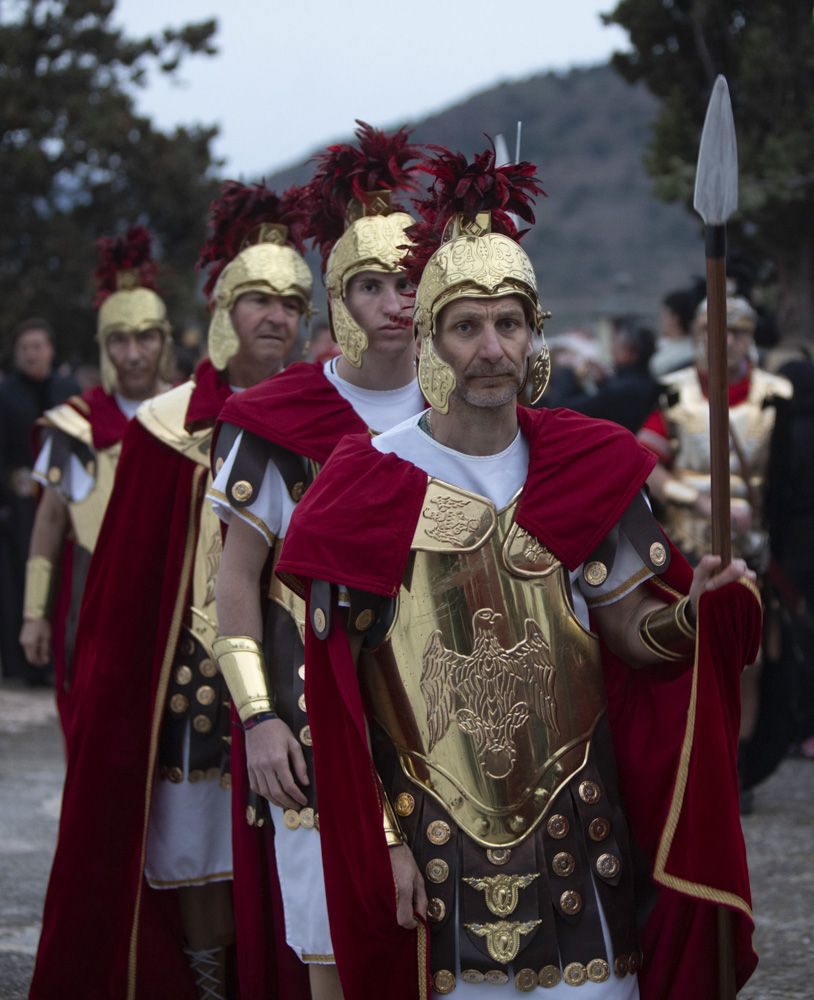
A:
[716,198]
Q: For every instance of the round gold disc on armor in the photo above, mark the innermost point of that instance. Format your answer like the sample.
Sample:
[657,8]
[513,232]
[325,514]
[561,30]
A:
[291,818]
[437,870]
[301,671]
[608,865]
[404,804]
[175,775]
[497,977]
[196,776]
[570,903]
[472,976]
[251,815]
[443,981]
[208,667]
[179,703]
[212,773]
[187,646]
[526,980]
[620,965]
[517,824]
[595,573]
[305,736]
[301,702]
[201,724]
[225,781]
[319,620]
[205,694]
[575,974]
[307,818]
[634,962]
[242,491]
[557,826]
[183,675]
[438,832]
[598,970]
[364,620]
[589,792]
[658,554]
[316,821]
[297,491]
[499,855]
[563,864]
[436,910]
[599,828]
[549,977]
[54,474]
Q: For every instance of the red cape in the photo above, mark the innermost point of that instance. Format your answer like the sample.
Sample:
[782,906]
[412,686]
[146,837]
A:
[108,425]
[105,933]
[675,730]
[300,410]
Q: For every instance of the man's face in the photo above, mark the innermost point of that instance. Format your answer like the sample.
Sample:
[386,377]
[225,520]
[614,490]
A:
[487,343]
[136,355]
[34,354]
[382,305]
[266,326]
[738,346]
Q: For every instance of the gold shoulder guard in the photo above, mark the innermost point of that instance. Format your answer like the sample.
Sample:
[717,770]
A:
[164,415]
[766,384]
[65,418]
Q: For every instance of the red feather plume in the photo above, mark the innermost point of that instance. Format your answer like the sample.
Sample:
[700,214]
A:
[130,252]
[461,187]
[237,212]
[378,161]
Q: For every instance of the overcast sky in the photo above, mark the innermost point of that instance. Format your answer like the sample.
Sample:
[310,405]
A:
[291,76]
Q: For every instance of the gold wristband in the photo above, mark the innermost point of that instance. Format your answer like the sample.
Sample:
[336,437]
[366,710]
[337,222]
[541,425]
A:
[39,572]
[668,632]
[240,659]
[393,834]
[681,493]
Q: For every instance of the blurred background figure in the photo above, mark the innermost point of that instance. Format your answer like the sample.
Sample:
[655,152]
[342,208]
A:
[676,347]
[32,387]
[625,392]
[321,345]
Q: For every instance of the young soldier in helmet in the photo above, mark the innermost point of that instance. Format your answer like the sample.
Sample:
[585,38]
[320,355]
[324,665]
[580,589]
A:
[270,442]
[81,442]
[496,571]
[143,866]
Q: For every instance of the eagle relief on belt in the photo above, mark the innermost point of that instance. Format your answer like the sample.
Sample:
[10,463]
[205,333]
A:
[490,692]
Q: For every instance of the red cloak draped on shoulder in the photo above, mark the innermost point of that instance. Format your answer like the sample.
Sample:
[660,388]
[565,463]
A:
[105,932]
[675,729]
[300,410]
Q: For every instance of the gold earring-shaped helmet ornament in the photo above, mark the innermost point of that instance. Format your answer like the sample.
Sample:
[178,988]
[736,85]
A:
[126,299]
[372,242]
[474,262]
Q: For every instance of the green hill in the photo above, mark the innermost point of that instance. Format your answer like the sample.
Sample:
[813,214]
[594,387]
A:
[602,243]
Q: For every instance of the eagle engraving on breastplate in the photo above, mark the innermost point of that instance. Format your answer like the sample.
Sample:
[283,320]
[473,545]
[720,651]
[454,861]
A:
[490,692]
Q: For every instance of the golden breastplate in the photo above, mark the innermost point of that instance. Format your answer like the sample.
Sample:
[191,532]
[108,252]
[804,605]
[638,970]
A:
[488,685]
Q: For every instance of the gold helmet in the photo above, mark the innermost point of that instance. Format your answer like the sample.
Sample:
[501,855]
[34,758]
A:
[255,245]
[126,298]
[356,223]
[740,316]
[466,247]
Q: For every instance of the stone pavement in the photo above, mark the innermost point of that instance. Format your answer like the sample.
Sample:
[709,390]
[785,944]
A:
[779,836]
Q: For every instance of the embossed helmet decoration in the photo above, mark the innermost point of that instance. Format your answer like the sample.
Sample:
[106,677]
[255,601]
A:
[355,221]
[466,246]
[126,297]
[255,244]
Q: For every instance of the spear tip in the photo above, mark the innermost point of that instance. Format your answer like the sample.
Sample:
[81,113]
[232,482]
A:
[716,178]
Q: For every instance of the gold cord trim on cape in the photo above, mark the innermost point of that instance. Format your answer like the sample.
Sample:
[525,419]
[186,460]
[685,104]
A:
[660,873]
[421,932]
[158,713]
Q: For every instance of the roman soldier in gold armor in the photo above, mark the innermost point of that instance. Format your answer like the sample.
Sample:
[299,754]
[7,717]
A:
[80,446]
[140,898]
[480,580]
[271,442]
